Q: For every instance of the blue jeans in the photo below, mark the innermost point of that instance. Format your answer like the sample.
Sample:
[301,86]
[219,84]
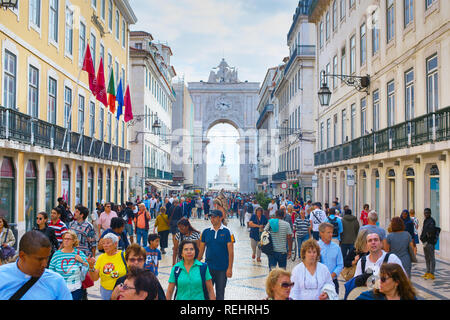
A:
[142,234]
[77,294]
[346,248]
[105,294]
[277,258]
[315,235]
[300,241]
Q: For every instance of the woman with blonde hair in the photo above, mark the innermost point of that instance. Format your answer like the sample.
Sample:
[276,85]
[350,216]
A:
[278,285]
[312,279]
[352,258]
[71,263]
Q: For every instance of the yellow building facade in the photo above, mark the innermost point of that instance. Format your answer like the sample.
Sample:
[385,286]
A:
[44,92]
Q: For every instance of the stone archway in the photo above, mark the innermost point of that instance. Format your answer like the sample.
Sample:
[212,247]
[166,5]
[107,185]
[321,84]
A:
[226,99]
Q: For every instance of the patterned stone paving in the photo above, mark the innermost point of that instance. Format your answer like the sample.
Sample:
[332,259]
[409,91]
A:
[248,281]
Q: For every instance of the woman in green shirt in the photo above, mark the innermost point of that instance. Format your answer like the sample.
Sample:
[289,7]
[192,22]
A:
[186,275]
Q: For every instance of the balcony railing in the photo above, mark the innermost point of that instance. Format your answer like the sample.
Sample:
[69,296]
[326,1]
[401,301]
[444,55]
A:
[20,127]
[152,173]
[431,127]
[300,51]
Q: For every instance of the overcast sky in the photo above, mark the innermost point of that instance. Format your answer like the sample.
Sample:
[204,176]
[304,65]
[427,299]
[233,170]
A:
[249,34]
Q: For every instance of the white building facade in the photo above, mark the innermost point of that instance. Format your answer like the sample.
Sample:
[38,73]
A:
[152,99]
[295,96]
[387,147]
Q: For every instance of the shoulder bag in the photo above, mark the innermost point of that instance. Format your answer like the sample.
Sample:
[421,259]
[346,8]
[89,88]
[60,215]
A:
[8,251]
[24,289]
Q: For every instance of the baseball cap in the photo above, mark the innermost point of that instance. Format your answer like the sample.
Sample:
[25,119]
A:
[216,213]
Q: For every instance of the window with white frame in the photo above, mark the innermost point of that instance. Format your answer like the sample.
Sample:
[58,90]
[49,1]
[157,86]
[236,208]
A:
[353,121]
[93,45]
[335,70]
[102,53]
[390,19]
[35,12]
[10,80]
[117,25]
[103,8]
[117,72]
[363,44]
[351,3]
[353,54]
[334,14]
[101,120]
[376,110]
[391,103]
[335,128]
[82,42]
[52,91]
[343,62]
[363,116]
[432,84]
[321,136]
[94,3]
[124,33]
[375,33]
[69,31]
[53,20]
[344,126]
[123,134]
[409,95]
[33,91]
[328,133]
[92,119]
[342,7]
[321,33]
[327,25]
[67,107]
[110,15]
[429,3]
[117,132]
[408,6]
[109,127]
[80,114]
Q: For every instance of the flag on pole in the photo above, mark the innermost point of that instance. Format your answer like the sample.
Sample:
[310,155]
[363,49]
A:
[128,115]
[111,93]
[88,66]
[119,99]
[101,89]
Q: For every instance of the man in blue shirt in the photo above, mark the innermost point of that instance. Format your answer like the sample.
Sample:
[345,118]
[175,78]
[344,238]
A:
[34,251]
[330,253]
[336,222]
[218,241]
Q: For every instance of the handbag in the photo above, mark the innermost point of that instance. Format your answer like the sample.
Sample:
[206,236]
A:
[266,243]
[348,272]
[6,252]
[87,282]
[411,254]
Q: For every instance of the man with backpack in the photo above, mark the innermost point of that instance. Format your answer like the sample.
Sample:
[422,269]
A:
[316,218]
[376,257]
[336,222]
[429,238]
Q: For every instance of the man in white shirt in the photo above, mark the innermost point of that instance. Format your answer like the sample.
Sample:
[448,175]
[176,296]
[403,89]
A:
[316,218]
[272,208]
[376,256]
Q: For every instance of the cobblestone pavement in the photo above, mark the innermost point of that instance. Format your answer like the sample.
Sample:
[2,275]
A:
[248,281]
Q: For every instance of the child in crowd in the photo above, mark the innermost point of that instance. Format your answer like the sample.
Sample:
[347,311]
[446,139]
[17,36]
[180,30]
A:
[153,254]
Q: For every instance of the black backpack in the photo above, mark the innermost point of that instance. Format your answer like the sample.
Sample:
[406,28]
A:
[335,224]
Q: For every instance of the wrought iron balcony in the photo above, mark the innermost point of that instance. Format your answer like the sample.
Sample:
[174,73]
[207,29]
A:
[432,127]
[300,51]
[152,173]
[17,126]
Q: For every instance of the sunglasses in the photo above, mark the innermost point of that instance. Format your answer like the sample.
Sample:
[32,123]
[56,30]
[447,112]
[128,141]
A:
[287,285]
[384,279]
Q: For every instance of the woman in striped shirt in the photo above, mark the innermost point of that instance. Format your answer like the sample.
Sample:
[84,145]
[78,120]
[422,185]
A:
[302,229]
[71,263]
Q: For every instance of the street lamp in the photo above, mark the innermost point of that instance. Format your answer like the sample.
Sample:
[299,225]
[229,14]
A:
[361,84]
[8,3]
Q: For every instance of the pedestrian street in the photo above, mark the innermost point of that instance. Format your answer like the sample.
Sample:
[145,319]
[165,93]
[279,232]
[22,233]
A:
[248,281]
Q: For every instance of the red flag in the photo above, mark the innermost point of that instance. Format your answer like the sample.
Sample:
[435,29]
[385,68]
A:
[101,89]
[88,66]
[128,115]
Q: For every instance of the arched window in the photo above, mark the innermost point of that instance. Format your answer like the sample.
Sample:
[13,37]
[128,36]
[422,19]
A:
[7,190]
[65,185]
[100,185]
[122,189]
[108,185]
[116,190]
[90,189]
[79,186]
[30,195]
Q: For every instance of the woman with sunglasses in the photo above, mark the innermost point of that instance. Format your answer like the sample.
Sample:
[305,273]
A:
[135,256]
[278,285]
[71,264]
[393,285]
[42,226]
[312,280]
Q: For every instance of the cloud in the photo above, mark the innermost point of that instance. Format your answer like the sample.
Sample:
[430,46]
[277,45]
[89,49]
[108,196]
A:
[250,34]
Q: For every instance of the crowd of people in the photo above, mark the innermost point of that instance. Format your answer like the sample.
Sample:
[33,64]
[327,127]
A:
[67,252]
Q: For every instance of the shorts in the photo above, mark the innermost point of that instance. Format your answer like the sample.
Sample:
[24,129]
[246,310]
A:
[173,229]
[129,229]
